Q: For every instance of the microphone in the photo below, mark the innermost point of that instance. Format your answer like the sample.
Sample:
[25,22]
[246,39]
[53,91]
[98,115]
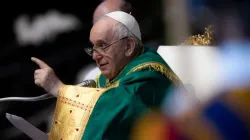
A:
[86,83]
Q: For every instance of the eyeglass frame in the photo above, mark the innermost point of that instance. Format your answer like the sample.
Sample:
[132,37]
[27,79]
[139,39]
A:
[103,48]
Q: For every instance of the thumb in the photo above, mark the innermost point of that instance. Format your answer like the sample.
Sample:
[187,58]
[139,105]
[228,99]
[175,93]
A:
[39,62]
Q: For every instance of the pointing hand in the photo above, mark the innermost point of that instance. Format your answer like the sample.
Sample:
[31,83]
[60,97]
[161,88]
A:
[46,78]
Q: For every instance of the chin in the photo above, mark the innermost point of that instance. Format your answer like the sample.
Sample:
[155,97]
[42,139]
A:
[106,74]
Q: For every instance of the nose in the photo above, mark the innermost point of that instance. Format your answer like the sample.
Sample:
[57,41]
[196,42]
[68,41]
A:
[96,56]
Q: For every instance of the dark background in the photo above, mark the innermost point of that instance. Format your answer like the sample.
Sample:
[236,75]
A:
[65,55]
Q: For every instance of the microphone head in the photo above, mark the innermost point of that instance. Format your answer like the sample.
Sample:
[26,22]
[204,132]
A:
[88,83]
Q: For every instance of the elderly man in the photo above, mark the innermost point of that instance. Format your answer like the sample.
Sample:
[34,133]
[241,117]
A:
[107,6]
[133,79]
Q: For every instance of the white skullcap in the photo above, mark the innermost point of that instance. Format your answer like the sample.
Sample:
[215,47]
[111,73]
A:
[127,20]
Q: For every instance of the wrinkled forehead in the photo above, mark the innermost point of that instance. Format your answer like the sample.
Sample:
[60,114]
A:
[103,30]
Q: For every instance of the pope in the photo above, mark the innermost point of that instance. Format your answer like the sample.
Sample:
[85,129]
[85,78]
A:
[133,80]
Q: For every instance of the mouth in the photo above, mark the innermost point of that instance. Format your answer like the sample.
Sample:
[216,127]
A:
[101,66]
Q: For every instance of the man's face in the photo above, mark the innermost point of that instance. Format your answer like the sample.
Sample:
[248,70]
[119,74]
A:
[112,59]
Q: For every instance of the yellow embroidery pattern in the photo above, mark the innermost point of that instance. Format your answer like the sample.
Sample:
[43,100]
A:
[158,67]
[115,84]
[73,109]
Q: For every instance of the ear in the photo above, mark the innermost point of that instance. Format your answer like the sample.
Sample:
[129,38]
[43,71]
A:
[130,47]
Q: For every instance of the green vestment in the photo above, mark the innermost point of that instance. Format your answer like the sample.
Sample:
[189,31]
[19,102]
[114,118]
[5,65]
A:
[142,84]
[110,110]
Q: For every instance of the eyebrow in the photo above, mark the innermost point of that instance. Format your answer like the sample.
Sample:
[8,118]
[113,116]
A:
[97,42]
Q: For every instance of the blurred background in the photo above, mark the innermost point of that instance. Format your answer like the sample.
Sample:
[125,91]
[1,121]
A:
[59,34]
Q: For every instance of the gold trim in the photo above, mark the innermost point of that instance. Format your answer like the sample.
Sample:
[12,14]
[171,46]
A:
[115,84]
[97,80]
[75,104]
[73,109]
[158,67]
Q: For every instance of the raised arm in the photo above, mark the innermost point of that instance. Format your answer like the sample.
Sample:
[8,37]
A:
[46,78]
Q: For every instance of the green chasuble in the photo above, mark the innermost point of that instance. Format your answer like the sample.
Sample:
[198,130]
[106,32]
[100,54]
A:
[141,85]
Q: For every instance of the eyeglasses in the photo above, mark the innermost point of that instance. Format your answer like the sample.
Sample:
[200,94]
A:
[100,49]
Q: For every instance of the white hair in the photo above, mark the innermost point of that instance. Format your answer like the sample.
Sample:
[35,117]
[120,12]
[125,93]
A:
[121,31]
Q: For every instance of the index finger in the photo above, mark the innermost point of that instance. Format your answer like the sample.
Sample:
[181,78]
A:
[39,62]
